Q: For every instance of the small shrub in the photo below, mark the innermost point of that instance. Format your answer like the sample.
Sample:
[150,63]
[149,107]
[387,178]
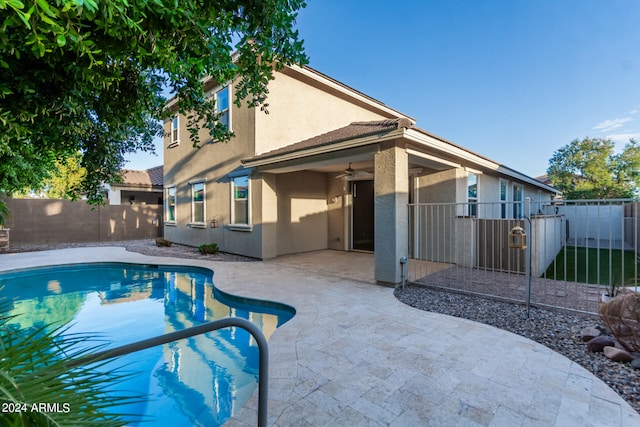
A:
[161,241]
[211,248]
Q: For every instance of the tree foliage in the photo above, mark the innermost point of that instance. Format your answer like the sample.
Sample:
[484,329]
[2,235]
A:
[65,181]
[91,76]
[590,169]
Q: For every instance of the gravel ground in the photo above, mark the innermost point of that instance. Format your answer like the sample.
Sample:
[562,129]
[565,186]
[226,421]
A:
[145,247]
[560,331]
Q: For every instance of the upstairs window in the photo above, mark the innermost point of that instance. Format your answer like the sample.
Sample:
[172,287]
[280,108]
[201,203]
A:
[222,107]
[175,122]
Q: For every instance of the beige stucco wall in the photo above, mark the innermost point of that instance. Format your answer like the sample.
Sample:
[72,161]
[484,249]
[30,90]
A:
[299,110]
[302,212]
[212,162]
[289,212]
[438,186]
[338,208]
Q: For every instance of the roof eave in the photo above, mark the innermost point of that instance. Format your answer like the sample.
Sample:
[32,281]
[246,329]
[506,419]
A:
[323,149]
[423,137]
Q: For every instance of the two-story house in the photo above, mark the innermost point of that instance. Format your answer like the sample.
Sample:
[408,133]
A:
[328,168]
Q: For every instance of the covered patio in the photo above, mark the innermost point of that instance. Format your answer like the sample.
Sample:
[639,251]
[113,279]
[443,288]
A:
[348,190]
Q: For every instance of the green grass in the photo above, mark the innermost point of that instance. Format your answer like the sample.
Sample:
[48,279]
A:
[595,266]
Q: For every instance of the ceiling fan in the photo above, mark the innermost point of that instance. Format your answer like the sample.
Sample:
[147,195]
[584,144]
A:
[351,174]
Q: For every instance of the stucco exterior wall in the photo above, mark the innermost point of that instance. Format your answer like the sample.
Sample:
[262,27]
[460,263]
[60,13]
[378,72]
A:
[289,212]
[338,205]
[302,212]
[547,239]
[299,110]
[438,186]
[212,163]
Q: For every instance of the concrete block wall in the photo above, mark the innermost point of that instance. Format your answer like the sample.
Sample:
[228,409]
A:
[37,221]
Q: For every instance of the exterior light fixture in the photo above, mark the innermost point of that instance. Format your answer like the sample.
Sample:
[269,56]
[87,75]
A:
[517,238]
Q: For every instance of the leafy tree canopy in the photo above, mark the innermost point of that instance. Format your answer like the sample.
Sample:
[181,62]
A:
[90,76]
[590,169]
[65,181]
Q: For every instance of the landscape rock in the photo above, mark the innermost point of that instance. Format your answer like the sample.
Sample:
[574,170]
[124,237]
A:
[589,333]
[617,354]
[598,344]
[636,363]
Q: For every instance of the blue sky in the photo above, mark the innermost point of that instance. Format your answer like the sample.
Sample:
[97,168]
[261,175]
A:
[513,80]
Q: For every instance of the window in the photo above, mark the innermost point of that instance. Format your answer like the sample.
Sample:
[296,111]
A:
[517,201]
[171,205]
[174,131]
[222,107]
[197,203]
[503,198]
[472,194]
[240,203]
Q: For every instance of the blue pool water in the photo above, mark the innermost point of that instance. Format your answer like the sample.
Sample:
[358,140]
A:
[200,381]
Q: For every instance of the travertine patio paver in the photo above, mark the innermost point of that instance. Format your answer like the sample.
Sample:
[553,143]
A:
[354,355]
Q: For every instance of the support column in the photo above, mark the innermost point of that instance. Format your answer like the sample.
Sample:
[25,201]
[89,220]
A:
[268,206]
[391,193]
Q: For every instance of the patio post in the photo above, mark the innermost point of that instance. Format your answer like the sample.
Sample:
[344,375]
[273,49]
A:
[391,229]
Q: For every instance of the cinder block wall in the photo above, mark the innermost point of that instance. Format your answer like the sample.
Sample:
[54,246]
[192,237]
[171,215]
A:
[35,221]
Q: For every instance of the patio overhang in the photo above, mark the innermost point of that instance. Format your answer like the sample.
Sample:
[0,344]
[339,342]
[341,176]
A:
[355,143]
[329,162]
[446,152]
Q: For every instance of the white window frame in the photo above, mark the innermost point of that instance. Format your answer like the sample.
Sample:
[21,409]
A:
[168,197]
[518,205]
[174,135]
[503,202]
[240,226]
[228,109]
[472,202]
[194,223]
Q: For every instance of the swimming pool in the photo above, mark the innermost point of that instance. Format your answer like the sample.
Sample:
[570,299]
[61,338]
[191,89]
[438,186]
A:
[202,380]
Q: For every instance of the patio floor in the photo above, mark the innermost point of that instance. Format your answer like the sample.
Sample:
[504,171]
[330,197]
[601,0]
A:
[354,355]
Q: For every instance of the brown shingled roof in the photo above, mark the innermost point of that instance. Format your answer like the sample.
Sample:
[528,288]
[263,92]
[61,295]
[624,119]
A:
[153,177]
[351,131]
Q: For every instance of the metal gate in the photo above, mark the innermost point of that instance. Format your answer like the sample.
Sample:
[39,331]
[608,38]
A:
[578,250]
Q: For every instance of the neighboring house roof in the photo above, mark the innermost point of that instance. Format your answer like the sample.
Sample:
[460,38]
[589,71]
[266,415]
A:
[544,179]
[150,178]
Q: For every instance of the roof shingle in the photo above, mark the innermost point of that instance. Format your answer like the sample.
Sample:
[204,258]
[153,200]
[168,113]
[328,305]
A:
[153,177]
[351,131]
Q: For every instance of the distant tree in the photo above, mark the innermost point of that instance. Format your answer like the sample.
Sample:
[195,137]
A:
[65,182]
[589,169]
[92,76]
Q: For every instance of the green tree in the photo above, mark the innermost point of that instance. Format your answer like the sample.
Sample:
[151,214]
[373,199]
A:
[65,182]
[590,169]
[92,76]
